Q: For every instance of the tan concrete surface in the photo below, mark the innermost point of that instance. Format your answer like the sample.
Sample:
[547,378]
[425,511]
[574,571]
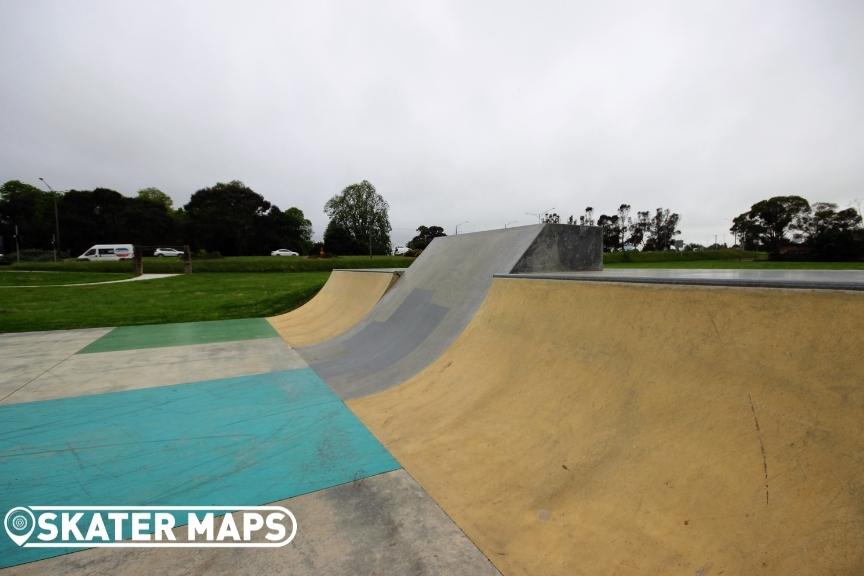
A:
[96,373]
[385,524]
[583,428]
[24,356]
[343,301]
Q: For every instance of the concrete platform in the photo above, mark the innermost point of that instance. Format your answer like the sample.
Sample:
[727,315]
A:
[384,524]
[801,279]
[100,372]
[25,356]
[138,425]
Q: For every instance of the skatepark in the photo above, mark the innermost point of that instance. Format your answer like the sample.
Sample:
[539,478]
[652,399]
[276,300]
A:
[501,406]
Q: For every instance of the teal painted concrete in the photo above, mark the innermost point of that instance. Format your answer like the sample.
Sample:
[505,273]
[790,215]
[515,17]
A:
[180,334]
[245,440]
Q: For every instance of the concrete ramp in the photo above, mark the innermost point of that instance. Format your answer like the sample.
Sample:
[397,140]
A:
[585,428]
[437,296]
[344,300]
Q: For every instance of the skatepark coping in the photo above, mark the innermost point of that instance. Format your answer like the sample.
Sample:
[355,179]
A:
[795,279]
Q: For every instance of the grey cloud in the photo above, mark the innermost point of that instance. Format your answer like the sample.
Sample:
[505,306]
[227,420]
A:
[477,111]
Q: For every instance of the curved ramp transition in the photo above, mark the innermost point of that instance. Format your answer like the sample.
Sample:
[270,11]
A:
[437,296]
[345,299]
[584,428]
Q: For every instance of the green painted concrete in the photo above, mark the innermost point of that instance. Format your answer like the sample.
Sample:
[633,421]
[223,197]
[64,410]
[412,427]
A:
[248,440]
[181,334]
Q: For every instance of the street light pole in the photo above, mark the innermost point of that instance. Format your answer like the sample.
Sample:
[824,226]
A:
[539,215]
[56,219]
[508,223]
[457,227]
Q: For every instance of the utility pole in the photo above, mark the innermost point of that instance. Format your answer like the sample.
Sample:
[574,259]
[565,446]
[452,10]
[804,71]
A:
[17,249]
[56,219]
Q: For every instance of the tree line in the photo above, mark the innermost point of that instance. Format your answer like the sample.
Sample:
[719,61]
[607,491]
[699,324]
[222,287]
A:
[621,231]
[228,218]
[792,228]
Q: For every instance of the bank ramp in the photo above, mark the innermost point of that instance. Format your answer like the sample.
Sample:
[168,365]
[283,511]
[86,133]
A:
[608,428]
[346,298]
[421,315]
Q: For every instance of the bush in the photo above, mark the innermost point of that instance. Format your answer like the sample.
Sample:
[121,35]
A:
[202,254]
[688,256]
[37,255]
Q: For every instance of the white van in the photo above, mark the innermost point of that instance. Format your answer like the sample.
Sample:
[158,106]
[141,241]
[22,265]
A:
[103,252]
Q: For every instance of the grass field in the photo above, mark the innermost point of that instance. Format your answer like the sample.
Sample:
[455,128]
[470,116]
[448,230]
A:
[19,278]
[245,287]
[232,264]
[739,264]
[178,299]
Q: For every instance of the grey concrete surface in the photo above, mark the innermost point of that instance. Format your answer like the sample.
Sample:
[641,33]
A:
[560,247]
[25,356]
[85,374]
[799,279]
[422,314]
[385,524]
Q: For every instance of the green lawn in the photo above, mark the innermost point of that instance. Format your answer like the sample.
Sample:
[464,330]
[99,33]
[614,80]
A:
[177,299]
[739,264]
[230,264]
[243,287]
[16,278]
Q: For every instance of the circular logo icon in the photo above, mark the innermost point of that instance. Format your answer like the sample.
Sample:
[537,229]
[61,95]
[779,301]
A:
[19,523]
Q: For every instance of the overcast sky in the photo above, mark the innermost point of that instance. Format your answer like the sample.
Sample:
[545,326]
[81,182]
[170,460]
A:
[462,110]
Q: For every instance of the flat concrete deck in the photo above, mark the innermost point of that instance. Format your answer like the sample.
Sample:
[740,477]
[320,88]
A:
[806,279]
[207,412]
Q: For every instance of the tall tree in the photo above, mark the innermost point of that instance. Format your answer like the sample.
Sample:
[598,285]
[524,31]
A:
[297,229]
[363,213]
[156,196]
[662,229]
[425,235]
[639,228]
[611,233]
[832,234]
[224,217]
[768,222]
[31,210]
[338,241]
[624,224]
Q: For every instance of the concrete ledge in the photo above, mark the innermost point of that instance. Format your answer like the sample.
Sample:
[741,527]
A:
[796,279]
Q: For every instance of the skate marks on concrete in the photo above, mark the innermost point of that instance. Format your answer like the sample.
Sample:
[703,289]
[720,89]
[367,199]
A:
[384,524]
[346,298]
[245,440]
[25,356]
[100,372]
[587,428]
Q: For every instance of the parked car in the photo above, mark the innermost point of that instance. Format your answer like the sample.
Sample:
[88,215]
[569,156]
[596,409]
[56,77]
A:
[102,252]
[167,252]
[283,252]
[399,250]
